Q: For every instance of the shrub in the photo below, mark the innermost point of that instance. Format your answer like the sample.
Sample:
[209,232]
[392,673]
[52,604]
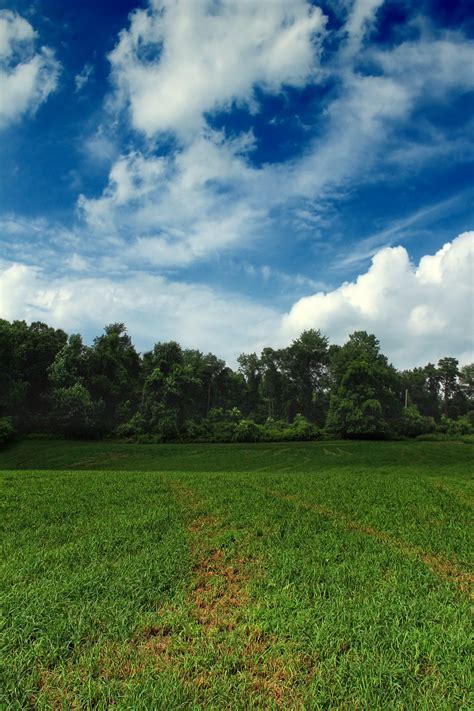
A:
[301,429]
[135,427]
[461,426]
[7,431]
[247,431]
[412,424]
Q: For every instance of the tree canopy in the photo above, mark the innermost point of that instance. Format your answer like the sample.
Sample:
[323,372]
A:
[53,383]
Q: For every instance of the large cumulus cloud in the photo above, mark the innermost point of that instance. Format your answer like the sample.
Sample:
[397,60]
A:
[420,312]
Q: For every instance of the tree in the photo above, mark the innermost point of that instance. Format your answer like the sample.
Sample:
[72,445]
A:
[170,390]
[305,364]
[448,372]
[466,385]
[71,364]
[114,374]
[365,401]
[12,384]
[250,368]
[422,385]
[26,353]
[272,381]
[75,413]
[208,370]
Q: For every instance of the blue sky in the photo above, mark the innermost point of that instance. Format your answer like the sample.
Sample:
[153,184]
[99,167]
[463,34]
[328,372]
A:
[227,174]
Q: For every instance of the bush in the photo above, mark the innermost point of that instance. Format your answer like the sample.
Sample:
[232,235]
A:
[7,431]
[196,431]
[461,426]
[353,417]
[247,431]
[412,424]
[301,429]
[135,427]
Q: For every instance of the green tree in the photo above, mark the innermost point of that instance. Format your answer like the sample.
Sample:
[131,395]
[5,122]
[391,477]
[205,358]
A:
[26,353]
[250,368]
[114,374]
[422,385]
[75,414]
[305,365]
[448,371]
[171,388]
[365,400]
[272,382]
[466,386]
[71,364]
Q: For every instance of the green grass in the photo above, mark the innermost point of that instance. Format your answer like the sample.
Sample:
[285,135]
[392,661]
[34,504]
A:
[319,575]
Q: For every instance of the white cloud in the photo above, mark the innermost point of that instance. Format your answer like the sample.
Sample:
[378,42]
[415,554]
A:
[153,307]
[81,79]
[27,77]
[430,65]
[16,282]
[205,196]
[77,263]
[181,59]
[418,313]
[186,206]
[360,19]
[13,29]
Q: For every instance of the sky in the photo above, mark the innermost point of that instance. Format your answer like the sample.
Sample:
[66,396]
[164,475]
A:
[228,174]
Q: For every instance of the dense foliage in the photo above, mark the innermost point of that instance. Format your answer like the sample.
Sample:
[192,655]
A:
[56,384]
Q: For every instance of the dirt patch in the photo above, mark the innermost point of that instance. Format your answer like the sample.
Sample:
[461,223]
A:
[219,591]
[219,599]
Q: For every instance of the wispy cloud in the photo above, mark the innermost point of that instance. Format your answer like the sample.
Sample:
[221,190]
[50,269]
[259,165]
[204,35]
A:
[81,79]
[399,229]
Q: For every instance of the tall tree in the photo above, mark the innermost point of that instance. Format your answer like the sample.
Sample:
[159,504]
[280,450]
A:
[272,381]
[466,383]
[26,354]
[170,390]
[448,371]
[366,390]
[305,364]
[250,367]
[114,373]
[422,385]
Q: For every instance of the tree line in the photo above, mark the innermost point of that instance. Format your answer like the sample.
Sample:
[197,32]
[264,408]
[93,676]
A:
[53,383]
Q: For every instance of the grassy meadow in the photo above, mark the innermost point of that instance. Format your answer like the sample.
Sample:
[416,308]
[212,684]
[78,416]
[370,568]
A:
[319,575]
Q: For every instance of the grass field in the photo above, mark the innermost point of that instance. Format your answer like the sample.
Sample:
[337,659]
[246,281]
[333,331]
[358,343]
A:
[319,575]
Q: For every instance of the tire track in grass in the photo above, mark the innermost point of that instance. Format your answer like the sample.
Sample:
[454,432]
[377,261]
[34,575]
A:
[454,491]
[220,600]
[440,566]
[205,639]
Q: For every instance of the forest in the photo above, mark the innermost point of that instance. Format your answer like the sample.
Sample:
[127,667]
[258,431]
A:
[53,384]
